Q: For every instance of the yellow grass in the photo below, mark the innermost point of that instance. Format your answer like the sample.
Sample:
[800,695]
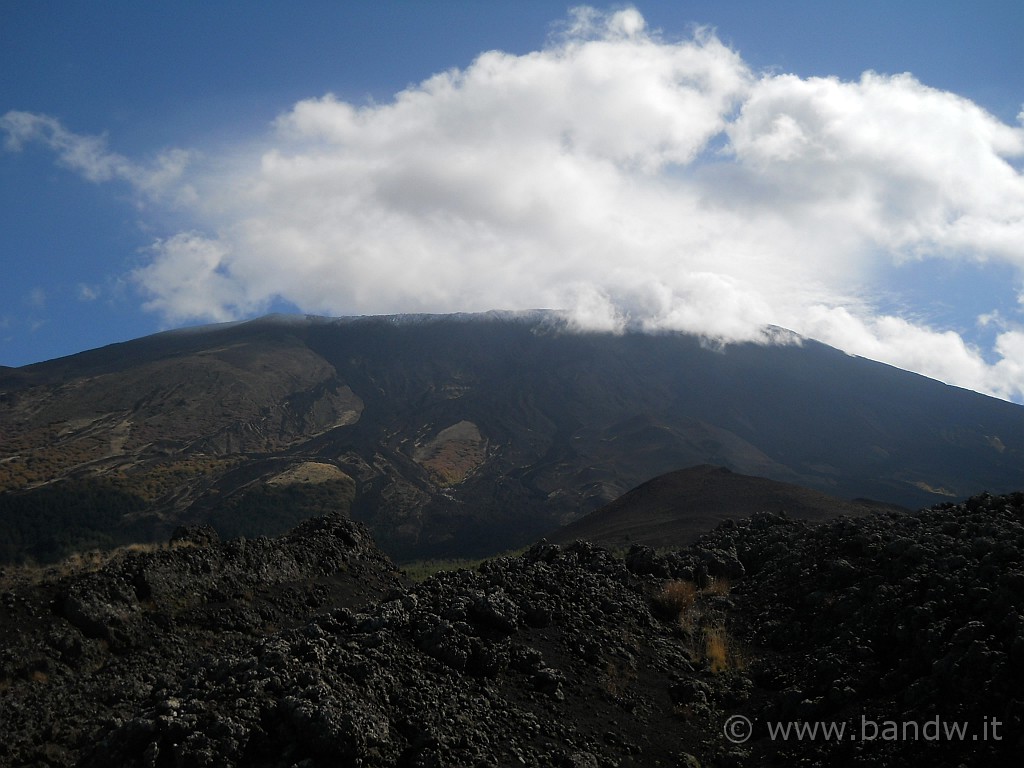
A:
[706,636]
[676,598]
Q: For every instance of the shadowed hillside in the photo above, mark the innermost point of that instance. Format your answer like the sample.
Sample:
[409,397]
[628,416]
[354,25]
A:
[459,435]
[674,509]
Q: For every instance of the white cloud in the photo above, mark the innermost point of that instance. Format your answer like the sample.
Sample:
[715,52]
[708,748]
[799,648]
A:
[622,175]
[940,354]
[920,172]
[89,155]
[186,278]
[87,292]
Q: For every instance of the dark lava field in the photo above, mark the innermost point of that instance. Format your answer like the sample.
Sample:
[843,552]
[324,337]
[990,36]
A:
[884,639]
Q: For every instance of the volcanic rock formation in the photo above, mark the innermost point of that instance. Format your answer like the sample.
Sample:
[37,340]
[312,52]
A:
[305,650]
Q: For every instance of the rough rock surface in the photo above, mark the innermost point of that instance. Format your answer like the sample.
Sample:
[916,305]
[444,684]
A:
[80,651]
[881,621]
[306,651]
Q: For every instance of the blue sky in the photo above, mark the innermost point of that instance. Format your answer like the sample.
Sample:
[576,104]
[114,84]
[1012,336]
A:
[707,166]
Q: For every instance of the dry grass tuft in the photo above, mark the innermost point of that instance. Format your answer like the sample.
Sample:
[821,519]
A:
[716,649]
[701,624]
[721,587]
[675,599]
[75,564]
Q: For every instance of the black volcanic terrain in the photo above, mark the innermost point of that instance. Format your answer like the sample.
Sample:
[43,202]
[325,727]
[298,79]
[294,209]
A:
[677,508]
[457,435]
[901,633]
[278,469]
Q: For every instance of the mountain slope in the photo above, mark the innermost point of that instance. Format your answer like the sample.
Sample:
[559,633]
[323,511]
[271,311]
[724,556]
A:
[459,435]
[675,509]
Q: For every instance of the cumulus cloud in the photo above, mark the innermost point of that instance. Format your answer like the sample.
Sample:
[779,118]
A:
[629,178]
[919,172]
[186,278]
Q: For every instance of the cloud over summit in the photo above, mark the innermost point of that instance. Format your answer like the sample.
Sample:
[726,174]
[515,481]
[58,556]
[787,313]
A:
[619,173]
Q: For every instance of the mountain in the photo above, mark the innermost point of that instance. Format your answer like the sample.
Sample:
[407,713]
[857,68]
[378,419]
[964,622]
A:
[457,435]
[676,508]
[899,633]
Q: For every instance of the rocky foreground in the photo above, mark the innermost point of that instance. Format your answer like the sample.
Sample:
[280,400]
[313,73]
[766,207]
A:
[310,650]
